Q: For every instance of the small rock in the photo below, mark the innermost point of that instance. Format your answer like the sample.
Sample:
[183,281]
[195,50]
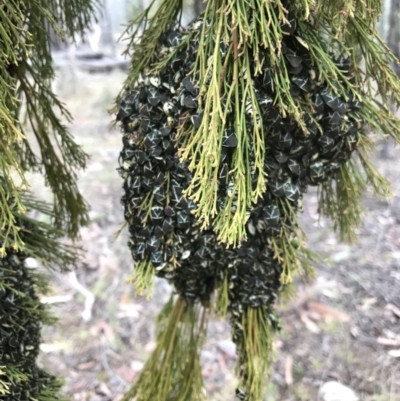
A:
[137,366]
[102,389]
[228,348]
[150,346]
[208,357]
[395,353]
[335,391]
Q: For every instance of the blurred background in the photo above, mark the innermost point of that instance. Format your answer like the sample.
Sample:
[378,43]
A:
[344,326]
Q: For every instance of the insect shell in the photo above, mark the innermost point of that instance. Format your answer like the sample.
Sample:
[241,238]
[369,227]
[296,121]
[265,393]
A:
[241,394]
[223,46]
[229,139]
[249,107]
[20,332]
[292,160]
[174,38]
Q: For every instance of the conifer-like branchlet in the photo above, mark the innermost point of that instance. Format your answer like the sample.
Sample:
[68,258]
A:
[247,30]
[34,138]
[226,122]
[28,105]
[22,315]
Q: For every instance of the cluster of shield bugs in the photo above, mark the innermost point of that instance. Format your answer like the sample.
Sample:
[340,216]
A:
[162,227]
[293,159]
[19,328]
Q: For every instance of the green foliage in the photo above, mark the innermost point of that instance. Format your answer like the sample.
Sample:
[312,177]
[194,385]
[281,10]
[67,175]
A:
[143,278]
[21,308]
[255,350]
[246,27]
[252,32]
[142,49]
[26,73]
[34,138]
[175,364]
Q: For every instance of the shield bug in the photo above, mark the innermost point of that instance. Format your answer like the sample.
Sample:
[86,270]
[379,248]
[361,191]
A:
[229,139]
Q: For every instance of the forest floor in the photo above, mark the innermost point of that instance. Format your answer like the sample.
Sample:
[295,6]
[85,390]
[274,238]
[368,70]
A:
[345,326]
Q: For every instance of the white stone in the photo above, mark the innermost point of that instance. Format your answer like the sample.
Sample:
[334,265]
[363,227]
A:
[228,348]
[335,391]
[137,366]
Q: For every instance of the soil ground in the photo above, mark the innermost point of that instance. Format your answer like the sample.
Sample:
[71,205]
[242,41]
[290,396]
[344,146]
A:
[344,326]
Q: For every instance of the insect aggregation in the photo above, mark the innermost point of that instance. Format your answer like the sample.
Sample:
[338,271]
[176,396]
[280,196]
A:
[163,231]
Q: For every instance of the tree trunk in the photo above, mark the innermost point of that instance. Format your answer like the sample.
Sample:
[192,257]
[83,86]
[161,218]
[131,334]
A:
[393,41]
[107,29]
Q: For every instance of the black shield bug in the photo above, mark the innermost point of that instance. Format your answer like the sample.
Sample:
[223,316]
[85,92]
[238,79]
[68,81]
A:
[229,139]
